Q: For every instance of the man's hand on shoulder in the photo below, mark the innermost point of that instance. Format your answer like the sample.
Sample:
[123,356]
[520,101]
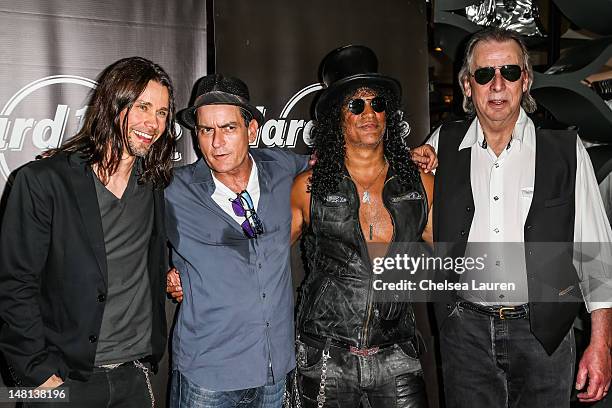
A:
[425,157]
[173,285]
[312,160]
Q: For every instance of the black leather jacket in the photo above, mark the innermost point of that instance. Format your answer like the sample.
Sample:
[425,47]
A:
[337,299]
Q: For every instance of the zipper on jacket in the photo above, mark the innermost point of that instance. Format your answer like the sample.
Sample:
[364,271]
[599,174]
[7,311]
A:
[364,332]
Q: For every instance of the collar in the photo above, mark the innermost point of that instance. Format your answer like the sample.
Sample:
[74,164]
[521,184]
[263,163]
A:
[475,136]
[253,178]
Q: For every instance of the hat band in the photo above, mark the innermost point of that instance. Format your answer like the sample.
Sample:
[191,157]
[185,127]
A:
[219,97]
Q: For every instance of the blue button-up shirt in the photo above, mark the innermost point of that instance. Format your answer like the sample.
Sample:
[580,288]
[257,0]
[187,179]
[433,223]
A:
[236,318]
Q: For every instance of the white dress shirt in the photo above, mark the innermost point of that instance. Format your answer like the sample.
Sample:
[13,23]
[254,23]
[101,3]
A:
[502,189]
[605,188]
[223,194]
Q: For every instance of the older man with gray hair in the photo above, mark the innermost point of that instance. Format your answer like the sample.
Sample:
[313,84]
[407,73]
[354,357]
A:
[503,180]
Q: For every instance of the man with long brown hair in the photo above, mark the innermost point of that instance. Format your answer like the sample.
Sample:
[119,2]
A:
[82,247]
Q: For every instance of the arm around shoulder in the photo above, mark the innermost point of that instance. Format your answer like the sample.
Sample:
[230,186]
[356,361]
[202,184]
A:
[295,162]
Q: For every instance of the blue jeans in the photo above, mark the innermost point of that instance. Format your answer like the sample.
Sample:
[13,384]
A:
[185,394]
[494,363]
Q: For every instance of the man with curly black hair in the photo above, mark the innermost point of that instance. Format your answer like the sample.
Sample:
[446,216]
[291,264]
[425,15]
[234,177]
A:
[362,196]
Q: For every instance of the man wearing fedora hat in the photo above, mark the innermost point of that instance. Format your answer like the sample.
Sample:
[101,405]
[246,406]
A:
[228,220]
[361,198]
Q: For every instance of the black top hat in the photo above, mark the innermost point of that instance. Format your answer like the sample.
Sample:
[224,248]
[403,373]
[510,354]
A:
[215,89]
[351,66]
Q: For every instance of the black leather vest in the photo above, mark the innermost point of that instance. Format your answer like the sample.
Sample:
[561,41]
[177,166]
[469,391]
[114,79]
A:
[337,299]
[550,271]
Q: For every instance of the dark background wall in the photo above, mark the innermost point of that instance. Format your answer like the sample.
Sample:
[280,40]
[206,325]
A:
[276,47]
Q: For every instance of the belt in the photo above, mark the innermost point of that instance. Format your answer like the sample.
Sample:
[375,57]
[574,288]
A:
[116,365]
[143,360]
[500,312]
[320,343]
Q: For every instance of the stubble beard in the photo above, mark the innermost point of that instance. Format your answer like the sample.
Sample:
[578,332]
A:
[137,148]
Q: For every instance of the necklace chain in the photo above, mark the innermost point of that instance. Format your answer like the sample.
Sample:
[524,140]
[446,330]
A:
[366,189]
[366,199]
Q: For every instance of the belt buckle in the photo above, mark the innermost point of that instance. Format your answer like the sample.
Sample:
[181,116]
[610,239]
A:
[365,352]
[501,311]
[110,366]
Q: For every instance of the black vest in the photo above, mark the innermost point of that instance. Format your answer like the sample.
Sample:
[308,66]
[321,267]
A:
[552,280]
[337,299]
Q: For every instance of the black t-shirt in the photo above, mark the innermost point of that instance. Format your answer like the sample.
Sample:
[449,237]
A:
[127,223]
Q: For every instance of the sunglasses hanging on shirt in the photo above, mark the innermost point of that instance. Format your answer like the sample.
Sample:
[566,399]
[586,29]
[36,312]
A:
[484,75]
[243,207]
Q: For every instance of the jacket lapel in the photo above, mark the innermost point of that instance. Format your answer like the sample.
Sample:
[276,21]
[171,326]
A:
[87,201]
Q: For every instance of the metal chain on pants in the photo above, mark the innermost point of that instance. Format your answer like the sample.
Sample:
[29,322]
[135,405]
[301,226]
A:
[292,397]
[296,391]
[145,370]
[321,396]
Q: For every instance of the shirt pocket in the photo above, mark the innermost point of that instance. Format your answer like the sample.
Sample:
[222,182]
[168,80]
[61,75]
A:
[555,202]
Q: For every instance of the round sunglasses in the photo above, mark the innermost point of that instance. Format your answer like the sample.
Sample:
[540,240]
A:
[357,106]
[484,75]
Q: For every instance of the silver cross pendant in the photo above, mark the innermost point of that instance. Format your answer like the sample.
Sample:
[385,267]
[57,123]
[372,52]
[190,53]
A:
[366,197]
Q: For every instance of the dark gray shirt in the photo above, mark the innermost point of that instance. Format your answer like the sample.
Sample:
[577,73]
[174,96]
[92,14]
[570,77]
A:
[127,223]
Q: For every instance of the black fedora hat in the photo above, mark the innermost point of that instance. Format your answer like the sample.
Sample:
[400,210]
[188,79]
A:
[351,66]
[216,89]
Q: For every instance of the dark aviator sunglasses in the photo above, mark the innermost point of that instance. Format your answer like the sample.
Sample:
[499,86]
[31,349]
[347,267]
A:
[484,75]
[357,106]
